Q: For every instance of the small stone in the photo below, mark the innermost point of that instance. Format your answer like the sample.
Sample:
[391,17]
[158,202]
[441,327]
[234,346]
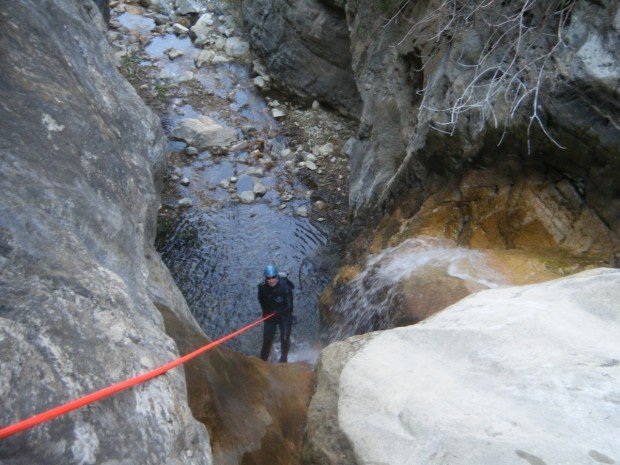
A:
[310,165]
[174,53]
[224,184]
[301,211]
[277,113]
[309,157]
[185,181]
[240,146]
[260,189]
[220,43]
[259,82]
[179,29]
[185,202]
[289,165]
[348,146]
[320,205]
[233,179]
[282,206]
[320,219]
[316,105]
[206,56]
[256,172]
[219,59]
[191,150]
[285,153]
[256,153]
[324,150]
[247,197]
[274,104]
[235,47]
[287,197]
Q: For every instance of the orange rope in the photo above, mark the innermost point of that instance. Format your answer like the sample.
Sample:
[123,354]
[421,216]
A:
[110,390]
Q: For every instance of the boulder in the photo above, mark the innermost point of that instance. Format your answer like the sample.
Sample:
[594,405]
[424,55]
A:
[526,372]
[204,133]
[305,46]
[236,47]
[203,25]
[247,197]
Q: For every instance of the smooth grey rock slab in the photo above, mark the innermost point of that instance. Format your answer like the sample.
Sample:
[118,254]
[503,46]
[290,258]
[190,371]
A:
[529,372]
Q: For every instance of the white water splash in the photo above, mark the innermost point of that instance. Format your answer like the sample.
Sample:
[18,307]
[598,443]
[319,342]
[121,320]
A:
[372,298]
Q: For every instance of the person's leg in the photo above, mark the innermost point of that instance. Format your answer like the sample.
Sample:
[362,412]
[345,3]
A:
[285,337]
[269,332]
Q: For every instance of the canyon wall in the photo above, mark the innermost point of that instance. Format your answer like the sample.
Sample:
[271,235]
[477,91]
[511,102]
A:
[85,300]
[506,119]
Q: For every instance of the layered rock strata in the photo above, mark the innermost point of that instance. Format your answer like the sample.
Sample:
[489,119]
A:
[432,119]
[84,299]
[525,372]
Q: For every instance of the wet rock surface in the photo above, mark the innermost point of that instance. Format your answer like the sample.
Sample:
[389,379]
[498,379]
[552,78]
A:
[419,128]
[406,281]
[469,384]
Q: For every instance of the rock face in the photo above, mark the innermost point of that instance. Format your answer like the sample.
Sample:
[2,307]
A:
[305,44]
[428,118]
[85,300]
[80,158]
[527,372]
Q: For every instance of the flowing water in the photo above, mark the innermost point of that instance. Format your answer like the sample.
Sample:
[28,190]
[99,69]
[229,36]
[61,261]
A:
[370,299]
[216,249]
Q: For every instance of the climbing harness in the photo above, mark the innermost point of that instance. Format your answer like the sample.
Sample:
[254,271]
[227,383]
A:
[120,386]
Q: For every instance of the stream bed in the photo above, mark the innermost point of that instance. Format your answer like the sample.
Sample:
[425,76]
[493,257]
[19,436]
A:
[217,247]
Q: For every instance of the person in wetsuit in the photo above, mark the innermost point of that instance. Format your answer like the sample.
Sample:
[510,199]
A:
[275,295]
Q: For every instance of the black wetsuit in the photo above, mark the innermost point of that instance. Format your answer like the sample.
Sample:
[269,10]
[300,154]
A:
[278,300]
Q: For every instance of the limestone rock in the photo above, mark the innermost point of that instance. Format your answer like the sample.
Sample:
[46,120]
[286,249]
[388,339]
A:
[399,153]
[306,47]
[185,202]
[237,48]
[75,230]
[186,7]
[173,75]
[247,197]
[179,29]
[259,189]
[203,25]
[458,386]
[204,133]
[206,56]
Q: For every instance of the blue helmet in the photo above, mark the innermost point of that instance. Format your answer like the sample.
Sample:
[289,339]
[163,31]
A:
[270,271]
